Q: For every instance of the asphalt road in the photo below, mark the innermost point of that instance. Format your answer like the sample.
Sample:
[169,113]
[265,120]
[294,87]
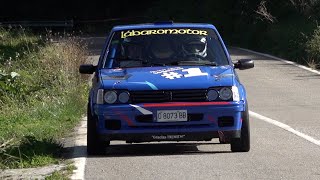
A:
[277,90]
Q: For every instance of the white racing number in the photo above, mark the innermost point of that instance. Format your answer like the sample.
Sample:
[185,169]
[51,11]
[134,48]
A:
[173,73]
[194,72]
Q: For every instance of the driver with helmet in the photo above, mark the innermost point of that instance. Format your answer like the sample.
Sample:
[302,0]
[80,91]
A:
[131,48]
[192,48]
[195,48]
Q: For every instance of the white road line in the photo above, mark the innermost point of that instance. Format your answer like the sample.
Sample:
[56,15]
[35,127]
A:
[277,123]
[285,127]
[280,59]
[79,152]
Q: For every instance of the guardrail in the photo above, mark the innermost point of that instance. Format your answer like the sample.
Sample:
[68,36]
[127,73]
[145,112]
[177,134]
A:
[67,23]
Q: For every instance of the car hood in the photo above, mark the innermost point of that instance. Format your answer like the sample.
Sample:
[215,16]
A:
[168,77]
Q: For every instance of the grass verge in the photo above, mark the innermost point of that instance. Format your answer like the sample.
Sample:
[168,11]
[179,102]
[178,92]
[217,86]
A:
[42,97]
[63,174]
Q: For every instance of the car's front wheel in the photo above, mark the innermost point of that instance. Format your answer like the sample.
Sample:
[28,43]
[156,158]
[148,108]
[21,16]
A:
[242,144]
[95,146]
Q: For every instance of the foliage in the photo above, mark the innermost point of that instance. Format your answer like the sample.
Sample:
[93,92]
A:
[42,97]
[282,28]
[313,45]
[62,174]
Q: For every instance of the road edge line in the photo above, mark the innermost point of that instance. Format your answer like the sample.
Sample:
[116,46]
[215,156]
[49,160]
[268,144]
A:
[280,59]
[79,153]
[285,127]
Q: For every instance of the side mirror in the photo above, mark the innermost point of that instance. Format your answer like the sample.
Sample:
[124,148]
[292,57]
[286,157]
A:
[87,69]
[243,64]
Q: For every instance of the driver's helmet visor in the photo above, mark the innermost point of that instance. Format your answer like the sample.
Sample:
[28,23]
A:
[195,47]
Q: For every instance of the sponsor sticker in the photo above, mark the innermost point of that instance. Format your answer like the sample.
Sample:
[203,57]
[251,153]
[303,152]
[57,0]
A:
[131,33]
[164,137]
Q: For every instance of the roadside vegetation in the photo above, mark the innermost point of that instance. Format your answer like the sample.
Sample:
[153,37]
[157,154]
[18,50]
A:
[63,174]
[42,96]
[288,29]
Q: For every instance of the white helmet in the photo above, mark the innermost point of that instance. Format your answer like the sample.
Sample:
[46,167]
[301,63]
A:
[195,47]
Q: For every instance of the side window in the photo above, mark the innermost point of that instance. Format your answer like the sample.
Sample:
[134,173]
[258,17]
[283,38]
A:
[103,58]
[216,50]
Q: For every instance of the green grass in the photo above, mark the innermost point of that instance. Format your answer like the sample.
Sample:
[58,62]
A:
[38,131]
[43,103]
[17,43]
[63,174]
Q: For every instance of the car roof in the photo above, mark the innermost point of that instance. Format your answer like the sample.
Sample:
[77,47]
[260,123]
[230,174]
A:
[162,25]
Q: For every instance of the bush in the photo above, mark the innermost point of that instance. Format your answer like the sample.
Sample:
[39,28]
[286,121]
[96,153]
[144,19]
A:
[42,97]
[313,48]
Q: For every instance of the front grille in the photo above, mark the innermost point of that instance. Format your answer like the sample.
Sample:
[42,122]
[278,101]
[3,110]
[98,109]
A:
[168,96]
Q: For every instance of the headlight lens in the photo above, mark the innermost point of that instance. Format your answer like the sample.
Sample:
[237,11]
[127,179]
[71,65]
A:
[110,97]
[124,97]
[100,96]
[212,95]
[235,91]
[225,93]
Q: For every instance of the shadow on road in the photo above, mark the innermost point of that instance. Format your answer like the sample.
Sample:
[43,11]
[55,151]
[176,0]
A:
[159,149]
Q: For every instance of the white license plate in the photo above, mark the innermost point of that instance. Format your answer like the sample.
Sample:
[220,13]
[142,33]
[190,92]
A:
[172,115]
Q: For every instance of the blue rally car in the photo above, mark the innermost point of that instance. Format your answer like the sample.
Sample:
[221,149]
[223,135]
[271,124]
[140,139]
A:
[166,82]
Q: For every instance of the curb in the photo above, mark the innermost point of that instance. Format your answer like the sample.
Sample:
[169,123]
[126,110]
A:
[79,152]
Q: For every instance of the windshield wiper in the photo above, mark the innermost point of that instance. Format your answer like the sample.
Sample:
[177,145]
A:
[129,59]
[205,63]
[155,64]
[143,62]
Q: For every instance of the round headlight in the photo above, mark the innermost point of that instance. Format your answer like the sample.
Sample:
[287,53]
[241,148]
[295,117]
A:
[212,95]
[225,93]
[124,97]
[110,97]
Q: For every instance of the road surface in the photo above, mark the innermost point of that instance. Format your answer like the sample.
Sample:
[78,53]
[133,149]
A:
[284,101]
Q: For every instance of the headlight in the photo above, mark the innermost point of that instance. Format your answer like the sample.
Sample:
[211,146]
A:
[110,97]
[100,96]
[225,93]
[124,97]
[235,91]
[212,95]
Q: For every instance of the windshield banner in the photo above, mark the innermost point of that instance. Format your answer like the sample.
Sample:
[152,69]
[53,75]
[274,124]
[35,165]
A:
[131,33]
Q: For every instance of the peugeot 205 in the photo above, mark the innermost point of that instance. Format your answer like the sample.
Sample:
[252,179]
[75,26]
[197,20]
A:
[166,82]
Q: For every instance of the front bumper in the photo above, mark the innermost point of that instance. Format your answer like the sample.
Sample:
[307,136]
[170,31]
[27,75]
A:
[171,136]
[205,121]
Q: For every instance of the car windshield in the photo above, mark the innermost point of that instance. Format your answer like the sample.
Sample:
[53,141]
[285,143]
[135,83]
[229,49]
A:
[165,47]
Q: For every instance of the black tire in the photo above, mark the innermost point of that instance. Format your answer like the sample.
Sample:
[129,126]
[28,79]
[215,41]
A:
[242,144]
[95,146]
